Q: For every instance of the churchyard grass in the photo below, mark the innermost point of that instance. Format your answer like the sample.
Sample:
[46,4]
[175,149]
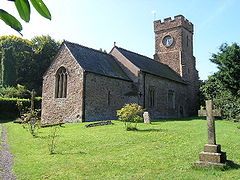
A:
[161,150]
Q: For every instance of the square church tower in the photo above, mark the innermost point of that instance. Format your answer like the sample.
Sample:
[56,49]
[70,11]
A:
[174,47]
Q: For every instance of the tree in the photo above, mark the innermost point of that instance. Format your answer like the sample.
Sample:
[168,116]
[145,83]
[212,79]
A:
[45,48]
[24,11]
[15,64]
[228,63]
[24,62]
[224,86]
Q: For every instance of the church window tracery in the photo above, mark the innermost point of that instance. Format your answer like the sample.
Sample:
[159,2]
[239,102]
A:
[61,83]
[151,96]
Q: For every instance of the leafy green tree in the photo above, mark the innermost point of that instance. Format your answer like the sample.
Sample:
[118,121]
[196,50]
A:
[228,63]
[45,49]
[15,63]
[27,61]
[9,67]
[24,11]
[224,86]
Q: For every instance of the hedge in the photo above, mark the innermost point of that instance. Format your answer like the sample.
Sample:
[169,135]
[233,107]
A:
[8,106]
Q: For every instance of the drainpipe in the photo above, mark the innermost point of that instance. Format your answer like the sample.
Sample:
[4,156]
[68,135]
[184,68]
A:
[83,96]
[144,74]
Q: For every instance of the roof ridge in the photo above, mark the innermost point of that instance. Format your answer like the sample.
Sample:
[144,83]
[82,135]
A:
[152,60]
[65,41]
[146,57]
[143,56]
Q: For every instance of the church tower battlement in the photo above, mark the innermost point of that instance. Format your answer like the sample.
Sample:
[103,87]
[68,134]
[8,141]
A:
[174,45]
[168,23]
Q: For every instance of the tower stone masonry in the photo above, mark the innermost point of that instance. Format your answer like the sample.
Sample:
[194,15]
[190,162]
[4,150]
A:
[174,47]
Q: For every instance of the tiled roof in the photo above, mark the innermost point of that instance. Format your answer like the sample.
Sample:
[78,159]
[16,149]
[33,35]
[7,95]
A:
[151,66]
[95,61]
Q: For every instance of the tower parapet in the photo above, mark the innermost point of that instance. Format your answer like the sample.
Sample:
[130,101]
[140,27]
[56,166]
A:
[169,23]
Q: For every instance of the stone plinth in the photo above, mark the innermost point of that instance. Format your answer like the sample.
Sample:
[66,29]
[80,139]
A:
[212,156]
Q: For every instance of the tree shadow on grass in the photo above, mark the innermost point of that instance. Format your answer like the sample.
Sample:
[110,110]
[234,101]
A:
[179,119]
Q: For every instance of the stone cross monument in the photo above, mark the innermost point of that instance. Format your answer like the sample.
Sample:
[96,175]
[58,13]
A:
[212,154]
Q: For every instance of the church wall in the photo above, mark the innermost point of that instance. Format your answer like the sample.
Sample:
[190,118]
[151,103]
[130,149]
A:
[104,95]
[69,109]
[161,87]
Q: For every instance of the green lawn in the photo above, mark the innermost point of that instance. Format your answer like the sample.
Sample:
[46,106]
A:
[162,150]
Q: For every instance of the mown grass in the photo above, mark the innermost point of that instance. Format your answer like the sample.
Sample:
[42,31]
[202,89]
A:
[162,150]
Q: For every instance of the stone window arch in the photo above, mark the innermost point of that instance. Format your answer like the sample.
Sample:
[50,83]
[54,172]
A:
[61,83]
[151,96]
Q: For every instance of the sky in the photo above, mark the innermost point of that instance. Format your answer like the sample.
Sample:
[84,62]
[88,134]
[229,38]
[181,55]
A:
[129,23]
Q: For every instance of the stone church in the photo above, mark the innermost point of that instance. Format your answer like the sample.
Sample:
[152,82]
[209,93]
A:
[84,84]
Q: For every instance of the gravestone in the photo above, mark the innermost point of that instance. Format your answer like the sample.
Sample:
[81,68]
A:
[146,117]
[101,123]
[212,154]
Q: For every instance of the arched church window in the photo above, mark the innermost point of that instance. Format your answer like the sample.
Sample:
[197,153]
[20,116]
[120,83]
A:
[61,83]
[151,96]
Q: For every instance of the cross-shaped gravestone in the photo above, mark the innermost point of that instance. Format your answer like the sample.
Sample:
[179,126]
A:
[212,154]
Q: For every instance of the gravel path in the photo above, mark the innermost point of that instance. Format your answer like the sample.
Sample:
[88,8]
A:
[6,158]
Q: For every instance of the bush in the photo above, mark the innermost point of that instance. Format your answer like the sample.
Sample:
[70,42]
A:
[15,92]
[130,114]
[53,137]
[9,107]
[31,122]
[229,104]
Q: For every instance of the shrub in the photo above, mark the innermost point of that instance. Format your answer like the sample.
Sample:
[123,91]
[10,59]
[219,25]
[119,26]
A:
[130,114]
[15,92]
[11,107]
[229,104]
[53,136]
[31,121]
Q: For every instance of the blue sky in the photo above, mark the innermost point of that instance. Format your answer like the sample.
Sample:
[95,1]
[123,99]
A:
[98,23]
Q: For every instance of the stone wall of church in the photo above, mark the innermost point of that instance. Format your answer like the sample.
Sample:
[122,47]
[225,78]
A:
[69,109]
[104,95]
[161,108]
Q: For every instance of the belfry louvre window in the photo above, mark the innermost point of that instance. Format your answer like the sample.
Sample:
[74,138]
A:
[151,96]
[61,83]
[171,99]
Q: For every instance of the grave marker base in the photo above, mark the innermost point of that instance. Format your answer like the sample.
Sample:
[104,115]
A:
[212,156]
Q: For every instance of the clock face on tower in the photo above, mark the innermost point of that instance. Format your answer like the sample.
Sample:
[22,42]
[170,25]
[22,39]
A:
[167,41]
